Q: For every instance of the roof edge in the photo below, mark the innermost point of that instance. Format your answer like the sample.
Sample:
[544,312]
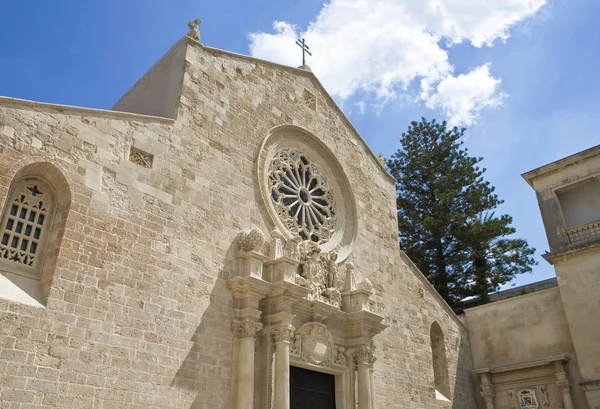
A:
[73,108]
[415,270]
[152,68]
[305,73]
[560,163]
[520,296]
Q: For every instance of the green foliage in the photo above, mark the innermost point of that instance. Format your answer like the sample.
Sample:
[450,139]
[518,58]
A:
[446,222]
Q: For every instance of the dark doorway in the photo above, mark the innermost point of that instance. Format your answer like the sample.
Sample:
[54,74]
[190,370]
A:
[311,390]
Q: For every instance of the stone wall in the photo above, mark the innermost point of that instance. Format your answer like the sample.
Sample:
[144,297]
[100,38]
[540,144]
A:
[519,331]
[138,314]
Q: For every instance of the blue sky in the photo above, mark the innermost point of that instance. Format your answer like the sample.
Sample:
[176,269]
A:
[523,74]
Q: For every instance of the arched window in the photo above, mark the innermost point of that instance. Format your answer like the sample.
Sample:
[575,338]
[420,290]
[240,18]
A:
[32,225]
[26,222]
[440,363]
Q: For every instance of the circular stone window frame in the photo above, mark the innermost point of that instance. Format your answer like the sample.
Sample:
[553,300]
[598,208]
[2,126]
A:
[293,137]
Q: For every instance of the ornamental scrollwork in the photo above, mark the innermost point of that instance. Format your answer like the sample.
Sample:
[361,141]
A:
[246,329]
[339,355]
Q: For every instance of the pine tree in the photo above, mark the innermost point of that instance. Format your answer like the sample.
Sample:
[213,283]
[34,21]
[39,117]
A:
[446,222]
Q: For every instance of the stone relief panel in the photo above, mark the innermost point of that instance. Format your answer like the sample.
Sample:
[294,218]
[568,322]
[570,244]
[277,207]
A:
[541,396]
[318,271]
[313,343]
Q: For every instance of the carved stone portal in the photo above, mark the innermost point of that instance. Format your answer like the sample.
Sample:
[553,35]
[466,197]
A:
[299,285]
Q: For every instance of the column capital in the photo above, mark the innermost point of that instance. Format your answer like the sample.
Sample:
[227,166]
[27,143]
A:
[246,329]
[281,333]
[364,355]
[564,385]
[488,395]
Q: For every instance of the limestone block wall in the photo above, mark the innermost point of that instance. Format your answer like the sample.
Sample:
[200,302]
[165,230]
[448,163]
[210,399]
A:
[576,263]
[224,93]
[579,286]
[521,330]
[138,314]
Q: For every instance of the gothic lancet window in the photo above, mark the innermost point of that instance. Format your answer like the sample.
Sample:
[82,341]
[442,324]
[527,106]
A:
[26,221]
[440,363]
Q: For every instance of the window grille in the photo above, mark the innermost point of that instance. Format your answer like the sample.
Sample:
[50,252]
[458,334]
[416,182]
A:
[25,221]
[139,157]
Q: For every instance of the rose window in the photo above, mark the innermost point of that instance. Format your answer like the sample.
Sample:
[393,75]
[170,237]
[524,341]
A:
[302,196]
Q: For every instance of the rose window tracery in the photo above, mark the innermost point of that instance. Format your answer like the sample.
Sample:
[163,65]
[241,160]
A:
[302,196]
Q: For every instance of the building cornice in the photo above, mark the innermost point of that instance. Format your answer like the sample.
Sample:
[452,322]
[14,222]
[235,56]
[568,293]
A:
[561,163]
[66,109]
[523,365]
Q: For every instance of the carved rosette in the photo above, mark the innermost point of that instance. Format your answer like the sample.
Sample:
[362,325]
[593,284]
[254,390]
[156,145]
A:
[246,329]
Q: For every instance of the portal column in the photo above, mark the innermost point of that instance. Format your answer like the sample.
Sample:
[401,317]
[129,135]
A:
[487,390]
[246,332]
[364,363]
[562,380]
[283,336]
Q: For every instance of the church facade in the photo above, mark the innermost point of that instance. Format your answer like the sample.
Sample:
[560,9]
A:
[221,238]
[224,238]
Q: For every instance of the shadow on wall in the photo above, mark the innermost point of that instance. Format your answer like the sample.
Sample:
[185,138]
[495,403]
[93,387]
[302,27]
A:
[466,395]
[204,377]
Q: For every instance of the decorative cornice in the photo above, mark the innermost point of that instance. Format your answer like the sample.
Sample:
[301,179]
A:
[65,109]
[530,364]
[590,385]
[246,329]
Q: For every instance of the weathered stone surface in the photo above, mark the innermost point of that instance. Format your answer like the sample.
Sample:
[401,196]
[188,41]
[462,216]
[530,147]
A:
[138,314]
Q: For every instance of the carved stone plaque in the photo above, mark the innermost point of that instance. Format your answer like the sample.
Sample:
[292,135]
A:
[316,344]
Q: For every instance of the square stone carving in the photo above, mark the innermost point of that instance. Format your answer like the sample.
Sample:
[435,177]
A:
[139,157]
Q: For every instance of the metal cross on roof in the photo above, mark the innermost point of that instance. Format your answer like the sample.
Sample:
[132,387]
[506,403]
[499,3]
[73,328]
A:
[305,48]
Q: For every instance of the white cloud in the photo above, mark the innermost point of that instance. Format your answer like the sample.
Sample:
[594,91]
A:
[382,46]
[461,98]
